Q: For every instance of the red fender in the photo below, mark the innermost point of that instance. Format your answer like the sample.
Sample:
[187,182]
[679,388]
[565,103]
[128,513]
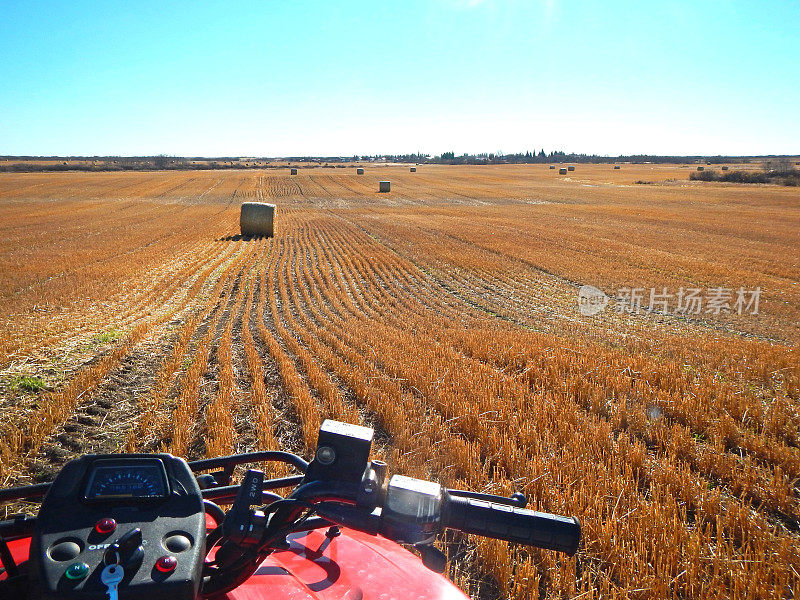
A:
[352,566]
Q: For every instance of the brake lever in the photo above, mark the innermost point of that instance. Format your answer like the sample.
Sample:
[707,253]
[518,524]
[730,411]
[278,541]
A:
[517,499]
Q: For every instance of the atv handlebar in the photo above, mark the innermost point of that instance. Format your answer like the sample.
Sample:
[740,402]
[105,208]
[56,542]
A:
[513,524]
[340,486]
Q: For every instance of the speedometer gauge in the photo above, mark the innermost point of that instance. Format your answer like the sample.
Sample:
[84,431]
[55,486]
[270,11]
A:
[127,478]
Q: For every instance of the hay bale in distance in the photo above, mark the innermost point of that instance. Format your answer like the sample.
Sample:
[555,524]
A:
[562,171]
[724,168]
[701,168]
[359,171]
[293,172]
[257,218]
[385,186]
[552,166]
[616,166]
[413,169]
[571,168]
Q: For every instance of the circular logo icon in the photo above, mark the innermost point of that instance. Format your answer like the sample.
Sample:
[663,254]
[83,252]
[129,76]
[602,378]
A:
[591,300]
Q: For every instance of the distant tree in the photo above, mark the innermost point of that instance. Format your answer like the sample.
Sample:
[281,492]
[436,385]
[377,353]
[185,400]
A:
[783,165]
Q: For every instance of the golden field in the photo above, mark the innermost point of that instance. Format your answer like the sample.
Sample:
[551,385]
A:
[444,314]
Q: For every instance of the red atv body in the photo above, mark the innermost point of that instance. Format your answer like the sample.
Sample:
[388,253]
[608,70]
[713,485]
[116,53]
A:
[351,566]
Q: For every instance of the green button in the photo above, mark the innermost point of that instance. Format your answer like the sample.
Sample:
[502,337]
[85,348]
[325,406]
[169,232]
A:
[77,571]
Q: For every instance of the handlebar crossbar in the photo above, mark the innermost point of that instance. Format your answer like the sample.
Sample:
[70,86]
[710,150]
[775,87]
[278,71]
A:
[32,492]
[228,492]
[229,462]
[26,491]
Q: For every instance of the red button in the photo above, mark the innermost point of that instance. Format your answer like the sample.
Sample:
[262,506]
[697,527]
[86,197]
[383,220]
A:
[166,564]
[105,526]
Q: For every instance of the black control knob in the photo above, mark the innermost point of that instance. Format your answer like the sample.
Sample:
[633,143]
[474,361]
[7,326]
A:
[127,550]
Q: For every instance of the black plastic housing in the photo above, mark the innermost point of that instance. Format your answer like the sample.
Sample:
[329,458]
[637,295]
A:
[66,516]
[350,444]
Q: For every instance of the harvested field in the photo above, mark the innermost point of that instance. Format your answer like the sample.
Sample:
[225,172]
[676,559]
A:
[445,314]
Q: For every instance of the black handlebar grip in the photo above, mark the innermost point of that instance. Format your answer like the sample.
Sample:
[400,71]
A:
[513,524]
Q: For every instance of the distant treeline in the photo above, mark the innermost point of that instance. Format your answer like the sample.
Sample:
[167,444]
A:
[162,162]
[29,164]
[563,157]
[557,156]
[790,177]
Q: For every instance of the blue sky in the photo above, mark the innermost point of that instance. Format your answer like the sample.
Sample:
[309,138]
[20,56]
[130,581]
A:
[277,78]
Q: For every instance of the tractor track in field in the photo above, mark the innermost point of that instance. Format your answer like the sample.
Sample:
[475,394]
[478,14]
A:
[102,424]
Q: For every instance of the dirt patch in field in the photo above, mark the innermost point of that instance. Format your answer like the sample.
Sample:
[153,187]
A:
[102,424]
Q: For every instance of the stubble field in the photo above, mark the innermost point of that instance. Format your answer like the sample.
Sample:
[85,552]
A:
[445,315]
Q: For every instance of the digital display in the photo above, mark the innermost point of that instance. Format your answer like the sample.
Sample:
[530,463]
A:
[137,479]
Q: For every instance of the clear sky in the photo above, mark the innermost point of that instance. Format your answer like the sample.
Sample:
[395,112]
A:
[338,77]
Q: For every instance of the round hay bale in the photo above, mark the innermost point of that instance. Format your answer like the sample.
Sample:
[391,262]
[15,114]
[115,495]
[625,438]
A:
[616,166]
[293,172]
[562,171]
[701,168]
[571,168]
[257,218]
[384,186]
[359,171]
[413,169]
[724,168]
[552,166]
